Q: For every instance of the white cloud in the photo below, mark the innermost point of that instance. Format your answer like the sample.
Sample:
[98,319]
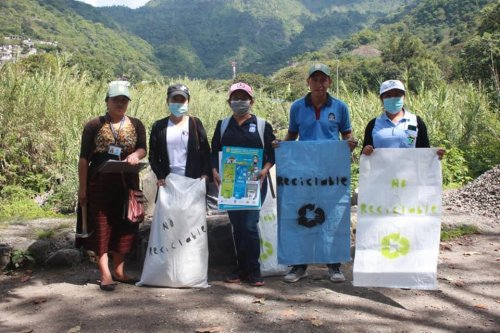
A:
[128,3]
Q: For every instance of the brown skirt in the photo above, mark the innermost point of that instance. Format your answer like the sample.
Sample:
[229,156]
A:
[106,197]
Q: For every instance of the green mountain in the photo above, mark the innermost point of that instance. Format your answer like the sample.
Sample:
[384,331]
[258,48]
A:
[200,38]
[438,22]
[95,41]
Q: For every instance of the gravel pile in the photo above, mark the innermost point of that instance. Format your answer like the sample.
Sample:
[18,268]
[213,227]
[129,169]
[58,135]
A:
[481,196]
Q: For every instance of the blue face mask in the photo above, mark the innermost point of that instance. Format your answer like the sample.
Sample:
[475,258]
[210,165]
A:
[393,104]
[178,109]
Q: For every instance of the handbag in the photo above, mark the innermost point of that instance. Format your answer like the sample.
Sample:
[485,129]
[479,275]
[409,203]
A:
[133,211]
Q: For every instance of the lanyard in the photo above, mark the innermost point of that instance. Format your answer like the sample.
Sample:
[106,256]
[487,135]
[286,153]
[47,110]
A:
[115,134]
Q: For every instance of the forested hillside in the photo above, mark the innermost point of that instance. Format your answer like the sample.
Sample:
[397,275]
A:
[201,38]
[423,43]
[95,42]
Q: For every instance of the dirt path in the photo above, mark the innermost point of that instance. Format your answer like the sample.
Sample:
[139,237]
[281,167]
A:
[468,299]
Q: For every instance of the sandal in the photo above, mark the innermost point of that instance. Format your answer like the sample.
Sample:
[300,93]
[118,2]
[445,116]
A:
[107,287]
[127,281]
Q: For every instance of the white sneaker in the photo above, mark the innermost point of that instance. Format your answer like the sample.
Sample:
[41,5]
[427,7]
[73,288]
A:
[336,275]
[297,273]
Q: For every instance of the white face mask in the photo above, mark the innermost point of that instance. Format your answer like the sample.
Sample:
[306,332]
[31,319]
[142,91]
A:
[240,107]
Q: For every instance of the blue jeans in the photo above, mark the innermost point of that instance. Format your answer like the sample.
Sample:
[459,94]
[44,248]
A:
[246,240]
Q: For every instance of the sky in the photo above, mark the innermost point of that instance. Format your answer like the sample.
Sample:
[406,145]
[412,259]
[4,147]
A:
[128,3]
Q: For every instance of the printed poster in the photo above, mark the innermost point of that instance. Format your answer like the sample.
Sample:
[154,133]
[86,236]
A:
[399,219]
[313,181]
[240,187]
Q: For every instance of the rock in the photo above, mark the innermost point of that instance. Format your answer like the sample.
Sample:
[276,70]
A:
[64,258]
[39,250]
[5,251]
[481,196]
[19,243]
[220,240]
[148,180]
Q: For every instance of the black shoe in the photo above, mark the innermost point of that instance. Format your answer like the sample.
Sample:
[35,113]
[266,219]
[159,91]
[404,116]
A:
[127,281]
[107,287]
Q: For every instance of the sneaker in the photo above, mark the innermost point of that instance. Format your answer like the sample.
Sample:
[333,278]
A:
[297,273]
[336,275]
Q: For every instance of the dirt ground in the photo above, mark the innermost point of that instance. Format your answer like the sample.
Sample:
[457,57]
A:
[69,300]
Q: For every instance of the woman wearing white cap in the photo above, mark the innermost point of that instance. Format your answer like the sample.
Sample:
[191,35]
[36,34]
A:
[113,136]
[396,127]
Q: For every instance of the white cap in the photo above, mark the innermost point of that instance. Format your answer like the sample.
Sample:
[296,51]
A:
[391,84]
[118,88]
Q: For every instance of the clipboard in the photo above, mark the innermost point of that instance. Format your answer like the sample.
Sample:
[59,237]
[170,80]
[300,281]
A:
[114,166]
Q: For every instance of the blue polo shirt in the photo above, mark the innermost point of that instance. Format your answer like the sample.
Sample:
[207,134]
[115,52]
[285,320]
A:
[333,119]
[403,134]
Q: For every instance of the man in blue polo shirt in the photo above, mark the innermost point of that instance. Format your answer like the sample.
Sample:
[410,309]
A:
[319,116]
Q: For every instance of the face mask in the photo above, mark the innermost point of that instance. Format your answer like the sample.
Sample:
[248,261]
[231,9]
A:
[178,109]
[393,104]
[240,107]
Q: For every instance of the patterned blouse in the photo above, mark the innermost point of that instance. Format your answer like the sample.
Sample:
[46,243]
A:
[97,137]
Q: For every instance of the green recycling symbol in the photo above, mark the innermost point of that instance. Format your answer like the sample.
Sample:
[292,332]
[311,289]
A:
[394,246]
[268,250]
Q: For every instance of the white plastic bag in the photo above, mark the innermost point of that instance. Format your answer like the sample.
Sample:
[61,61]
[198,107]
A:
[268,232]
[399,219]
[177,254]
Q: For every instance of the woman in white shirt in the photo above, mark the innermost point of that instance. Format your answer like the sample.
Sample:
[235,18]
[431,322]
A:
[178,143]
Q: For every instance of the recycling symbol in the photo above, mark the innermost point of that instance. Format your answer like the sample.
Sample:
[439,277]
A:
[268,250]
[394,246]
[306,211]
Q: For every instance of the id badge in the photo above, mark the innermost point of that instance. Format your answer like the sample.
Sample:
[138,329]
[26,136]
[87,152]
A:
[411,135]
[411,138]
[114,150]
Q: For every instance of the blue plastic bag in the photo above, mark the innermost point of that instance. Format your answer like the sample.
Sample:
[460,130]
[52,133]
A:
[313,181]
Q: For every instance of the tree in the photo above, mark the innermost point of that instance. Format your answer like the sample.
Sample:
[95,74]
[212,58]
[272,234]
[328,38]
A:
[480,60]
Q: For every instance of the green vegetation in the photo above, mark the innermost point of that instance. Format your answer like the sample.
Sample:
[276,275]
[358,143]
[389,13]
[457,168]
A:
[99,46]
[21,259]
[17,203]
[447,53]
[45,234]
[44,109]
[449,233]
[261,35]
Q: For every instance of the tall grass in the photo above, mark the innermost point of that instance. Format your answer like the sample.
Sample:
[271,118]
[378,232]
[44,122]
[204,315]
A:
[42,114]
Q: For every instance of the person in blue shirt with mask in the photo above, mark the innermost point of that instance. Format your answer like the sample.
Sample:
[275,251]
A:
[396,127]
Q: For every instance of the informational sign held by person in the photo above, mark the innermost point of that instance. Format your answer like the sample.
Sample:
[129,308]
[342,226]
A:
[313,181]
[399,219]
[240,187]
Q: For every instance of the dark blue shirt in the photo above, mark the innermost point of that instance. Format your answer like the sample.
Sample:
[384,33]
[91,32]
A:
[246,135]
